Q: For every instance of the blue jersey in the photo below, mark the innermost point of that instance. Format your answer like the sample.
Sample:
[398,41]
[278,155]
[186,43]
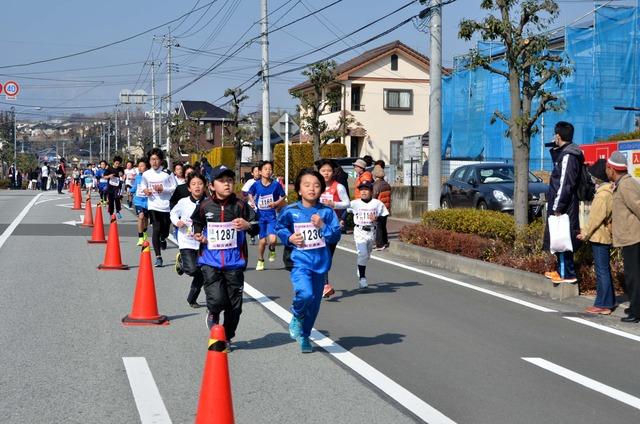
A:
[88,176]
[102,182]
[263,195]
[318,260]
[138,200]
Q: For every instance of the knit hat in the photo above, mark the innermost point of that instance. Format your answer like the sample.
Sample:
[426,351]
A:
[617,161]
[378,172]
[598,170]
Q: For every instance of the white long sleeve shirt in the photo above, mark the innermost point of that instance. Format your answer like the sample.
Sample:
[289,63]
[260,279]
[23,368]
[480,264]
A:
[158,201]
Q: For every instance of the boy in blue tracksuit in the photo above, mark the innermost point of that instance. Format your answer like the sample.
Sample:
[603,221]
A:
[102,181]
[140,200]
[219,224]
[307,227]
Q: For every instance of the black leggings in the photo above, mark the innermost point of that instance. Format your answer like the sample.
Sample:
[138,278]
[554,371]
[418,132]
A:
[113,196]
[160,222]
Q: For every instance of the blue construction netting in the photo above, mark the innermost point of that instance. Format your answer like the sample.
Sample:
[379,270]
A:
[604,57]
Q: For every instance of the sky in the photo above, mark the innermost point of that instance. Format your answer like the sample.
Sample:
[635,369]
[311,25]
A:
[34,30]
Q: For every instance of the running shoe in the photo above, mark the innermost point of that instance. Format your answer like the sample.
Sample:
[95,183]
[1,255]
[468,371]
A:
[140,241]
[145,236]
[163,244]
[158,262]
[272,255]
[295,327]
[195,305]
[211,320]
[327,291]
[253,241]
[260,265]
[598,311]
[178,266]
[551,275]
[305,345]
[362,283]
[118,215]
[558,279]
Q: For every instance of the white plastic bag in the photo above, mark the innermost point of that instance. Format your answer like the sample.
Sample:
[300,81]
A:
[560,234]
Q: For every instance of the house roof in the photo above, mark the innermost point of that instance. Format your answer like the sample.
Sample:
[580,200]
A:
[344,69]
[213,112]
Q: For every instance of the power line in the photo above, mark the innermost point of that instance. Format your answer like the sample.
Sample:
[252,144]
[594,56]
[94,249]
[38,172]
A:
[108,44]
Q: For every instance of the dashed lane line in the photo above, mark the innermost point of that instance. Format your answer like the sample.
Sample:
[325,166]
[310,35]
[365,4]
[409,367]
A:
[145,392]
[586,382]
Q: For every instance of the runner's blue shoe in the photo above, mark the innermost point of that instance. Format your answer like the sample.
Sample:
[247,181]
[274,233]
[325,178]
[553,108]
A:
[295,327]
[118,215]
[305,345]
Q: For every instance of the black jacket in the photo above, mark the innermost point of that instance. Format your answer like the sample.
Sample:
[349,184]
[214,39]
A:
[561,196]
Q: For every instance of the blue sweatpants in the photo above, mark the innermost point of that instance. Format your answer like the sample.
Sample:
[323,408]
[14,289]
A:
[307,295]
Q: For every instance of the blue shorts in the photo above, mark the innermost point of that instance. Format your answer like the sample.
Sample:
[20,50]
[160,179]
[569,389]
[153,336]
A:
[140,209]
[267,228]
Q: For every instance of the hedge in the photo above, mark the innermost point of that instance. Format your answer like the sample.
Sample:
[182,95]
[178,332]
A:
[333,150]
[301,156]
[218,156]
[490,224]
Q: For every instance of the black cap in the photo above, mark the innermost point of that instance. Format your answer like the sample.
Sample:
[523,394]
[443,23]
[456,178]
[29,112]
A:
[367,185]
[220,171]
[598,170]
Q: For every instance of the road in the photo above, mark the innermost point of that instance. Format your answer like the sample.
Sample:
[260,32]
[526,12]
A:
[419,345]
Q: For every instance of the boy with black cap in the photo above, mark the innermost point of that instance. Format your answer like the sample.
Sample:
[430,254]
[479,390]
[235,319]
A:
[220,223]
[366,212]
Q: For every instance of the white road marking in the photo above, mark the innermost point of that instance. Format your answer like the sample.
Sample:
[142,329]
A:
[586,382]
[47,200]
[459,283]
[145,392]
[401,395]
[7,233]
[605,328]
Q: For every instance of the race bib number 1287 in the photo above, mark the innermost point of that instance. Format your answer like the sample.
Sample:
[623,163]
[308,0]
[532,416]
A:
[221,235]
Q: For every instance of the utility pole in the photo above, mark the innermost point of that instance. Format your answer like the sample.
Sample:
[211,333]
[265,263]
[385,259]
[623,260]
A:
[128,130]
[109,142]
[117,133]
[101,140]
[169,44]
[435,107]
[90,149]
[266,113]
[153,102]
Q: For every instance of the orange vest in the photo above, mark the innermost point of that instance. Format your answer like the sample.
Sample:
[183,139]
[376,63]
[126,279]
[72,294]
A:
[365,176]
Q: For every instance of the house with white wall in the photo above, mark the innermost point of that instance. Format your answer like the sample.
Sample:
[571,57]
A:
[386,91]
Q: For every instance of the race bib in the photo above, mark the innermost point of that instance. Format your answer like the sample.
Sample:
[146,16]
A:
[264,201]
[103,180]
[326,198]
[140,191]
[185,235]
[312,236]
[221,235]
[114,181]
[364,216]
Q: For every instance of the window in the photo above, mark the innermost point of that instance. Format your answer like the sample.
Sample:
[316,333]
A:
[356,98]
[457,174]
[394,62]
[395,155]
[398,99]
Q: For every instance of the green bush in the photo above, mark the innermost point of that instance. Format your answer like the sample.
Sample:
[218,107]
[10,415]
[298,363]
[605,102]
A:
[4,183]
[489,224]
[333,150]
[300,157]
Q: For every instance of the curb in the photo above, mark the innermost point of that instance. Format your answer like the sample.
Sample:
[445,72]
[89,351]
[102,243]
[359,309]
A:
[498,274]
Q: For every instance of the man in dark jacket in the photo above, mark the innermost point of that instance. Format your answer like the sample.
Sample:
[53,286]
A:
[563,199]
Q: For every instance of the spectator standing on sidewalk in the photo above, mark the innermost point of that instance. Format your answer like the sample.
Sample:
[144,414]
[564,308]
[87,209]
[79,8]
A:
[598,232]
[360,166]
[562,198]
[382,192]
[61,175]
[626,229]
[44,176]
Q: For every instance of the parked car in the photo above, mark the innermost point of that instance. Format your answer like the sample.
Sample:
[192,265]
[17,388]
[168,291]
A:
[489,186]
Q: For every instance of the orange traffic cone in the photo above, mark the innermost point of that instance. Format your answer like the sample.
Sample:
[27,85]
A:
[88,215]
[72,190]
[112,258]
[97,235]
[145,305]
[216,405]
[71,186]
[77,199]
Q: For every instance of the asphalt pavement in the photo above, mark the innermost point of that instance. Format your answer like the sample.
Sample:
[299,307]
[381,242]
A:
[419,345]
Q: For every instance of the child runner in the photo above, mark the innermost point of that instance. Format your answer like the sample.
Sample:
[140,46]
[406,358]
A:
[88,177]
[307,227]
[255,174]
[102,181]
[115,175]
[178,174]
[335,196]
[366,211]
[159,186]
[266,195]
[220,222]
[140,202]
[129,175]
[189,247]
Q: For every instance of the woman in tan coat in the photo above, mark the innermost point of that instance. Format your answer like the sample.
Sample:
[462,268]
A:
[598,232]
